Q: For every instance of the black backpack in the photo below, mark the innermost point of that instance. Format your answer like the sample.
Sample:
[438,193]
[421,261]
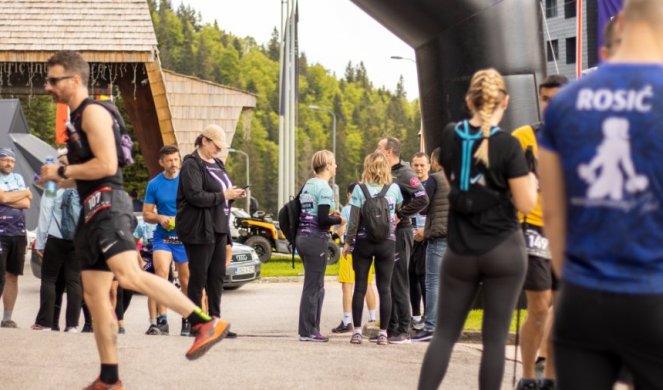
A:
[289,221]
[375,215]
[123,142]
[466,196]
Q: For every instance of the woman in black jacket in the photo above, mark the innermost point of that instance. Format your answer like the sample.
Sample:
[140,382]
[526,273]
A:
[204,196]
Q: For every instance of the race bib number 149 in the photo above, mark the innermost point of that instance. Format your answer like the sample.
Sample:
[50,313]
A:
[537,244]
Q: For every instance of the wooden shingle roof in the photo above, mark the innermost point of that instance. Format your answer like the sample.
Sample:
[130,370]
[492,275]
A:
[196,103]
[28,27]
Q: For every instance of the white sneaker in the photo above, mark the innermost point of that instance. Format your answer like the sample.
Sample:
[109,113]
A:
[72,329]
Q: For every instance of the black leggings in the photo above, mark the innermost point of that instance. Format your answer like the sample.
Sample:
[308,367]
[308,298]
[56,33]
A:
[502,271]
[59,257]
[123,300]
[207,268]
[312,251]
[417,274]
[362,257]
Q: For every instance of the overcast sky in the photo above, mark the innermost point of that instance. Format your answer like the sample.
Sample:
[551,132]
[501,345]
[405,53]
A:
[331,33]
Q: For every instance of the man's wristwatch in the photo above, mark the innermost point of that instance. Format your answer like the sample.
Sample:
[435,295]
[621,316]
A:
[61,171]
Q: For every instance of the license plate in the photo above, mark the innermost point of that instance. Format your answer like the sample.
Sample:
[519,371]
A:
[249,269]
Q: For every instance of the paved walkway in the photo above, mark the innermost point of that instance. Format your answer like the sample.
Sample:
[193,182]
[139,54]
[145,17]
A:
[266,355]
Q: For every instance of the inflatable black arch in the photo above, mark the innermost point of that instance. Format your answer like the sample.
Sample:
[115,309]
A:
[454,38]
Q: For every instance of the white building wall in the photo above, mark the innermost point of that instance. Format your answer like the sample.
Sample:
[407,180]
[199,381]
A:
[561,28]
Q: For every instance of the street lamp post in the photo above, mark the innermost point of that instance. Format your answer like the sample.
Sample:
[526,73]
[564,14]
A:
[317,108]
[421,125]
[248,189]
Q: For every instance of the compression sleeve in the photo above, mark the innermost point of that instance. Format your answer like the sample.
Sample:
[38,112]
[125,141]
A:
[325,220]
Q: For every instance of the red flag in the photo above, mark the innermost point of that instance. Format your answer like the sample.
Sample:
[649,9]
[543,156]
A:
[61,117]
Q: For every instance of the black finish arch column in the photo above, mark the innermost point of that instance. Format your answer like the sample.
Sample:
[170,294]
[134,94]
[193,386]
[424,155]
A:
[454,38]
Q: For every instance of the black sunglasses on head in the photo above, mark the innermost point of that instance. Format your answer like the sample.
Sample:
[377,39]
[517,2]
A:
[55,80]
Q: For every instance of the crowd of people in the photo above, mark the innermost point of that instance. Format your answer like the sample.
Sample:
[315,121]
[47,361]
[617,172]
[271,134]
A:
[575,197]
[568,210]
[191,216]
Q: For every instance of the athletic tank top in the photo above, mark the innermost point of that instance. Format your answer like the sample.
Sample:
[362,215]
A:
[79,152]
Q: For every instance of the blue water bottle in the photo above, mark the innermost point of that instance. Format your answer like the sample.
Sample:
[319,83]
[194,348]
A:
[50,187]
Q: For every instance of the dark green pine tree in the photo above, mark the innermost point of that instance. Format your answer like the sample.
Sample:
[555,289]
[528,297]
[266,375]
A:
[273,49]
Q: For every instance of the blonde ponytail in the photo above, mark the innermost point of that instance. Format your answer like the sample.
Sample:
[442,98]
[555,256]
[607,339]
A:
[486,92]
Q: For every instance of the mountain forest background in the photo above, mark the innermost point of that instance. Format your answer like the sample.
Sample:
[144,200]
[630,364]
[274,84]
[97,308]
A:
[364,113]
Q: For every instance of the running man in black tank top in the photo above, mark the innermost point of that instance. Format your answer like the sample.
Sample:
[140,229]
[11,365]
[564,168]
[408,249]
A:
[104,242]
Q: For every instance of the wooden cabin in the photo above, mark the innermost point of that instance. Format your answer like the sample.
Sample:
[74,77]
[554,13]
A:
[117,38]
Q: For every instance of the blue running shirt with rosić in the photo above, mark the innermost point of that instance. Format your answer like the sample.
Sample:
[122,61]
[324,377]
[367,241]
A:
[394,198]
[162,192]
[607,129]
[12,220]
[316,192]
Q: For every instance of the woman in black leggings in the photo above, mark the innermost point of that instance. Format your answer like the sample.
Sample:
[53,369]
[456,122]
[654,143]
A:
[376,181]
[318,214]
[489,180]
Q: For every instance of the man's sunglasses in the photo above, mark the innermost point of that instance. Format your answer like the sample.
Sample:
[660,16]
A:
[54,80]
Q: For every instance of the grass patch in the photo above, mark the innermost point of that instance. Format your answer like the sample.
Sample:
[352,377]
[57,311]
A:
[281,265]
[475,318]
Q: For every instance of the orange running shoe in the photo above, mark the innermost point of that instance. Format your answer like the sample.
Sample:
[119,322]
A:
[99,385]
[207,335]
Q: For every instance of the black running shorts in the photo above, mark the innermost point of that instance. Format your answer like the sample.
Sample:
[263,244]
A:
[12,253]
[108,233]
[540,275]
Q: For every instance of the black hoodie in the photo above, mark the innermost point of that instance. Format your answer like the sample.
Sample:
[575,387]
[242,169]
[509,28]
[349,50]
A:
[415,198]
[201,207]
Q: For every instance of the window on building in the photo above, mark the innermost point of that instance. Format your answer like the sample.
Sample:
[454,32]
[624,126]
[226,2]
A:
[552,50]
[570,9]
[551,8]
[571,50]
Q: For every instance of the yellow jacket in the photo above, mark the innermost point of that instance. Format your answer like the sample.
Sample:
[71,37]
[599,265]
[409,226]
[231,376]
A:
[526,136]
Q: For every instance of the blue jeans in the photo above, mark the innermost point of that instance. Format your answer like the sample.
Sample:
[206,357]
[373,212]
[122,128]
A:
[434,254]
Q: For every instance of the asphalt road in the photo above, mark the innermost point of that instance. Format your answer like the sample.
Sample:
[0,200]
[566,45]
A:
[266,355]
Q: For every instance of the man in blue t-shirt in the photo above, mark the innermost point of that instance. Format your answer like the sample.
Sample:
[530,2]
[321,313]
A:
[14,198]
[602,183]
[160,208]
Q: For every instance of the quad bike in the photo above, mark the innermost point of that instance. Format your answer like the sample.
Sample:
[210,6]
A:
[263,234]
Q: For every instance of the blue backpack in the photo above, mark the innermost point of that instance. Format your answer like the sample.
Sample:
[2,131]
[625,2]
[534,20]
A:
[71,210]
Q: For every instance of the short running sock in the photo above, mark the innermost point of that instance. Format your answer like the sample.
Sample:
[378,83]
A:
[383,332]
[372,315]
[198,316]
[153,321]
[347,318]
[7,315]
[357,331]
[162,319]
[109,373]
[417,318]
